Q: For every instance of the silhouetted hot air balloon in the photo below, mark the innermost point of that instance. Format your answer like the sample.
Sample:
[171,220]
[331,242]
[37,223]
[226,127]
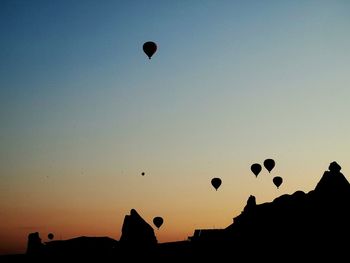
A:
[256,169]
[158,221]
[142,173]
[277,180]
[216,182]
[50,236]
[269,164]
[149,48]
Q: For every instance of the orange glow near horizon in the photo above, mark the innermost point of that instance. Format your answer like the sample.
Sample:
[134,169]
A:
[88,215]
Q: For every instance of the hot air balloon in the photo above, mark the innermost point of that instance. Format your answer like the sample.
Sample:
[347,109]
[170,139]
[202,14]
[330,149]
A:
[50,236]
[149,48]
[277,180]
[158,221]
[269,164]
[142,173]
[256,169]
[216,182]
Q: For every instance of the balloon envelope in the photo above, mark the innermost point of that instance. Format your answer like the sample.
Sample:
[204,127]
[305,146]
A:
[216,182]
[277,180]
[149,48]
[256,169]
[158,221]
[50,236]
[269,164]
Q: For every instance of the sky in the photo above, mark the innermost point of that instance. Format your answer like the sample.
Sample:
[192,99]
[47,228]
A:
[84,112]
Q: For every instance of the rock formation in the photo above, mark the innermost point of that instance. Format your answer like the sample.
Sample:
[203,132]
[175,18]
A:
[312,224]
[136,232]
[298,226]
[34,245]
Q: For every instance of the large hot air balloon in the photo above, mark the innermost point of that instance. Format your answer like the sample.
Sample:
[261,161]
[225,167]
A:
[256,169]
[50,236]
[216,182]
[158,221]
[149,48]
[269,164]
[277,180]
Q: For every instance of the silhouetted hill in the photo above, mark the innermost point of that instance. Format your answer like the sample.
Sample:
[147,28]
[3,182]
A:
[313,224]
[87,246]
[298,226]
[137,240]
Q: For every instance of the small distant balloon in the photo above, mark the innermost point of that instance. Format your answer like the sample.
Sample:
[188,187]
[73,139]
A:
[50,236]
[216,182]
[269,164]
[277,180]
[158,221]
[256,169]
[142,173]
[149,48]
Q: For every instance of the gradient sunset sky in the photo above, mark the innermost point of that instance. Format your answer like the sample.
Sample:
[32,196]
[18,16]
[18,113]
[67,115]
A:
[84,112]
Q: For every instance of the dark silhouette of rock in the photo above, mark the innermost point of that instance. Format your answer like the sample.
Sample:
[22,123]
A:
[82,247]
[136,232]
[334,167]
[300,225]
[34,245]
[333,184]
[251,203]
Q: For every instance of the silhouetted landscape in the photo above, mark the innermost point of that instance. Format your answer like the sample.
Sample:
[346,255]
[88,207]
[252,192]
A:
[299,226]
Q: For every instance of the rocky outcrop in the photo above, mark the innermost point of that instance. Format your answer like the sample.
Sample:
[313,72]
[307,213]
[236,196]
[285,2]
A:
[298,226]
[312,224]
[136,232]
[34,245]
[251,203]
[333,185]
